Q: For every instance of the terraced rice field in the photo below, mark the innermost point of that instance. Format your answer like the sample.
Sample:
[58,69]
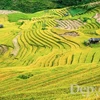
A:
[42,57]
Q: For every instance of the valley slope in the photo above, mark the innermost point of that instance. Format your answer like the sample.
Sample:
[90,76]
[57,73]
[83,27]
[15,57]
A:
[43,53]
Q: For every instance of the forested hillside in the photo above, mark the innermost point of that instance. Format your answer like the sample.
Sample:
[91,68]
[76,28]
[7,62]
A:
[37,5]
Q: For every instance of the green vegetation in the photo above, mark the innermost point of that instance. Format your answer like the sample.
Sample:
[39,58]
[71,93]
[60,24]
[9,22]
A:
[95,45]
[17,16]
[25,76]
[28,5]
[37,5]
[80,10]
[75,2]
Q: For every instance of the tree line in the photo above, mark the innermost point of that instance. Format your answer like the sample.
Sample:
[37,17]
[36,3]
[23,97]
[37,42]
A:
[74,2]
[37,5]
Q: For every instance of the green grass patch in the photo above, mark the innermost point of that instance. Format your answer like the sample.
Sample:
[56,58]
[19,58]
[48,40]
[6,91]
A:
[76,11]
[23,16]
[95,45]
[17,16]
[79,10]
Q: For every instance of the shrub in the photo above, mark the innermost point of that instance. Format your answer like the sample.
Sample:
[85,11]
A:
[44,26]
[25,76]
[86,43]
[1,26]
[20,23]
[85,19]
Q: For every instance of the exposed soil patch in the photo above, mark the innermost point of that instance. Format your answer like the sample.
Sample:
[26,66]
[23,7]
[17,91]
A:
[94,3]
[7,11]
[74,34]
[97,17]
[3,49]
[16,46]
[69,24]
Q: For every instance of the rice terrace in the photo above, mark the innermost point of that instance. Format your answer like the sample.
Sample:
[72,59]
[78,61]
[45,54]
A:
[50,53]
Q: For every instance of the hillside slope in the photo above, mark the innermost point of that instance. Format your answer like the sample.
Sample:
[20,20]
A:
[42,54]
[20,83]
[59,32]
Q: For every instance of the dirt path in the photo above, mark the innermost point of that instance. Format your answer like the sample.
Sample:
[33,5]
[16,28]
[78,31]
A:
[3,49]
[7,11]
[16,46]
[97,17]
[94,3]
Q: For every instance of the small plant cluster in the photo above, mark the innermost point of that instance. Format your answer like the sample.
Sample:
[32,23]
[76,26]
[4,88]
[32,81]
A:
[25,76]
[44,26]
[86,43]
[20,23]
[1,26]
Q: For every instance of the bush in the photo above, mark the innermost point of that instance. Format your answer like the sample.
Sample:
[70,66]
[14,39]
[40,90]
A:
[44,26]
[20,23]
[86,43]
[85,19]
[25,76]
[1,26]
